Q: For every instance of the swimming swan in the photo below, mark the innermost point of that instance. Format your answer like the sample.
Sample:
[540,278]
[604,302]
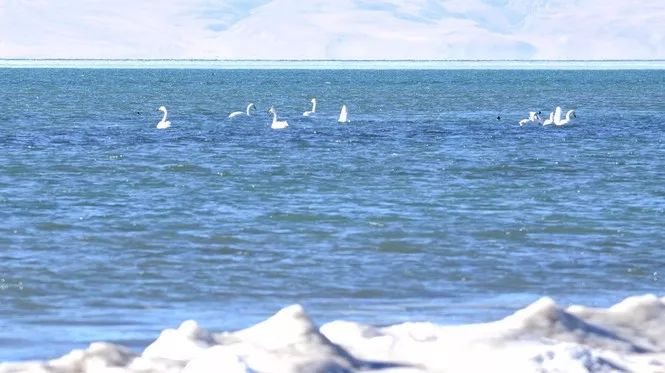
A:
[247,112]
[343,115]
[311,112]
[569,114]
[277,124]
[163,124]
[533,118]
[557,115]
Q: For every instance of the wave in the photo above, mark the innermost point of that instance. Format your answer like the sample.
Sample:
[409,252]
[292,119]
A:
[543,337]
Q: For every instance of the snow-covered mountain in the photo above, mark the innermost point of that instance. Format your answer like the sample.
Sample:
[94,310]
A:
[341,29]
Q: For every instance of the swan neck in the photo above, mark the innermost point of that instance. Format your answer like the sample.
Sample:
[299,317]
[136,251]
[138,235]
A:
[164,117]
[248,107]
[314,106]
[274,117]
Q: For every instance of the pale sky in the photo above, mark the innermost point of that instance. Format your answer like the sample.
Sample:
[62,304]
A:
[333,29]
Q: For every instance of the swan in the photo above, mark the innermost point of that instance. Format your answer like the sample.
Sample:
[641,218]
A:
[550,120]
[557,115]
[533,118]
[246,112]
[311,112]
[163,124]
[277,124]
[538,119]
[567,119]
[343,115]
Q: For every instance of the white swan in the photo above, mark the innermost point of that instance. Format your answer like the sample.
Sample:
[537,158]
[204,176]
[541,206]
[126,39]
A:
[343,115]
[550,120]
[557,115]
[533,118]
[277,124]
[529,120]
[567,119]
[246,112]
[311,112]
[163,124]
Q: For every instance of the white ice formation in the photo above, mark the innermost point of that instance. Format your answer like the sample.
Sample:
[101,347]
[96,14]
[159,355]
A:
[543,337]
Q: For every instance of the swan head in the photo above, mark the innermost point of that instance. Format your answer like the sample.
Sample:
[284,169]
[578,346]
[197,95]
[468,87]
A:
[161,108]
[271,110]
[572,114]
[251,106]
[313,100]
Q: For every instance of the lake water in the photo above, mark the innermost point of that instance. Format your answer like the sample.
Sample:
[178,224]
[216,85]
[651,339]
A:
[424,207]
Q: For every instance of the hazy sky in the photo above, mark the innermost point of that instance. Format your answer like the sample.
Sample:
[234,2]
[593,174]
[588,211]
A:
[333,29]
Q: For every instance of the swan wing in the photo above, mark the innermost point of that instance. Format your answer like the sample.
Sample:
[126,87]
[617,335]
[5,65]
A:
[557,115]
[235,114]
[343,115]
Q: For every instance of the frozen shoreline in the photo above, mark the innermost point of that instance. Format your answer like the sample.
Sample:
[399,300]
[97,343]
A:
[543,337]
[336,64]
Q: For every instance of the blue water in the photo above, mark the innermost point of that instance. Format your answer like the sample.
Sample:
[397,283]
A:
[424,207]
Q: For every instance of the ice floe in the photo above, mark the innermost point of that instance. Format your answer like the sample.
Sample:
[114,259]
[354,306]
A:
[543,337]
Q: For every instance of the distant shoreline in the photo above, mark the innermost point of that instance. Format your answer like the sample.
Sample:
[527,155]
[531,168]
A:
[336,64]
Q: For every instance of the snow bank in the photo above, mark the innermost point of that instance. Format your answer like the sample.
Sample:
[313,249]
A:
[542,337]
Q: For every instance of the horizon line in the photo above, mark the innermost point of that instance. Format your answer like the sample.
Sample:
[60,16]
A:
[327,60]
[260,64]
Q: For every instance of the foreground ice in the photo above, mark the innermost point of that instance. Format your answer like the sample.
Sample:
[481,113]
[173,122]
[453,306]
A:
[628,337]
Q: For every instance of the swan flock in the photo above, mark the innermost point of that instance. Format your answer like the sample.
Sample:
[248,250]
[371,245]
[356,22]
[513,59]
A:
[554,118]
[534,117]
[276,124]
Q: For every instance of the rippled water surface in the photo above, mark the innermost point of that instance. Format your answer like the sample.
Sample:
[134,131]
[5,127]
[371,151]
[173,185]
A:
[424,207]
